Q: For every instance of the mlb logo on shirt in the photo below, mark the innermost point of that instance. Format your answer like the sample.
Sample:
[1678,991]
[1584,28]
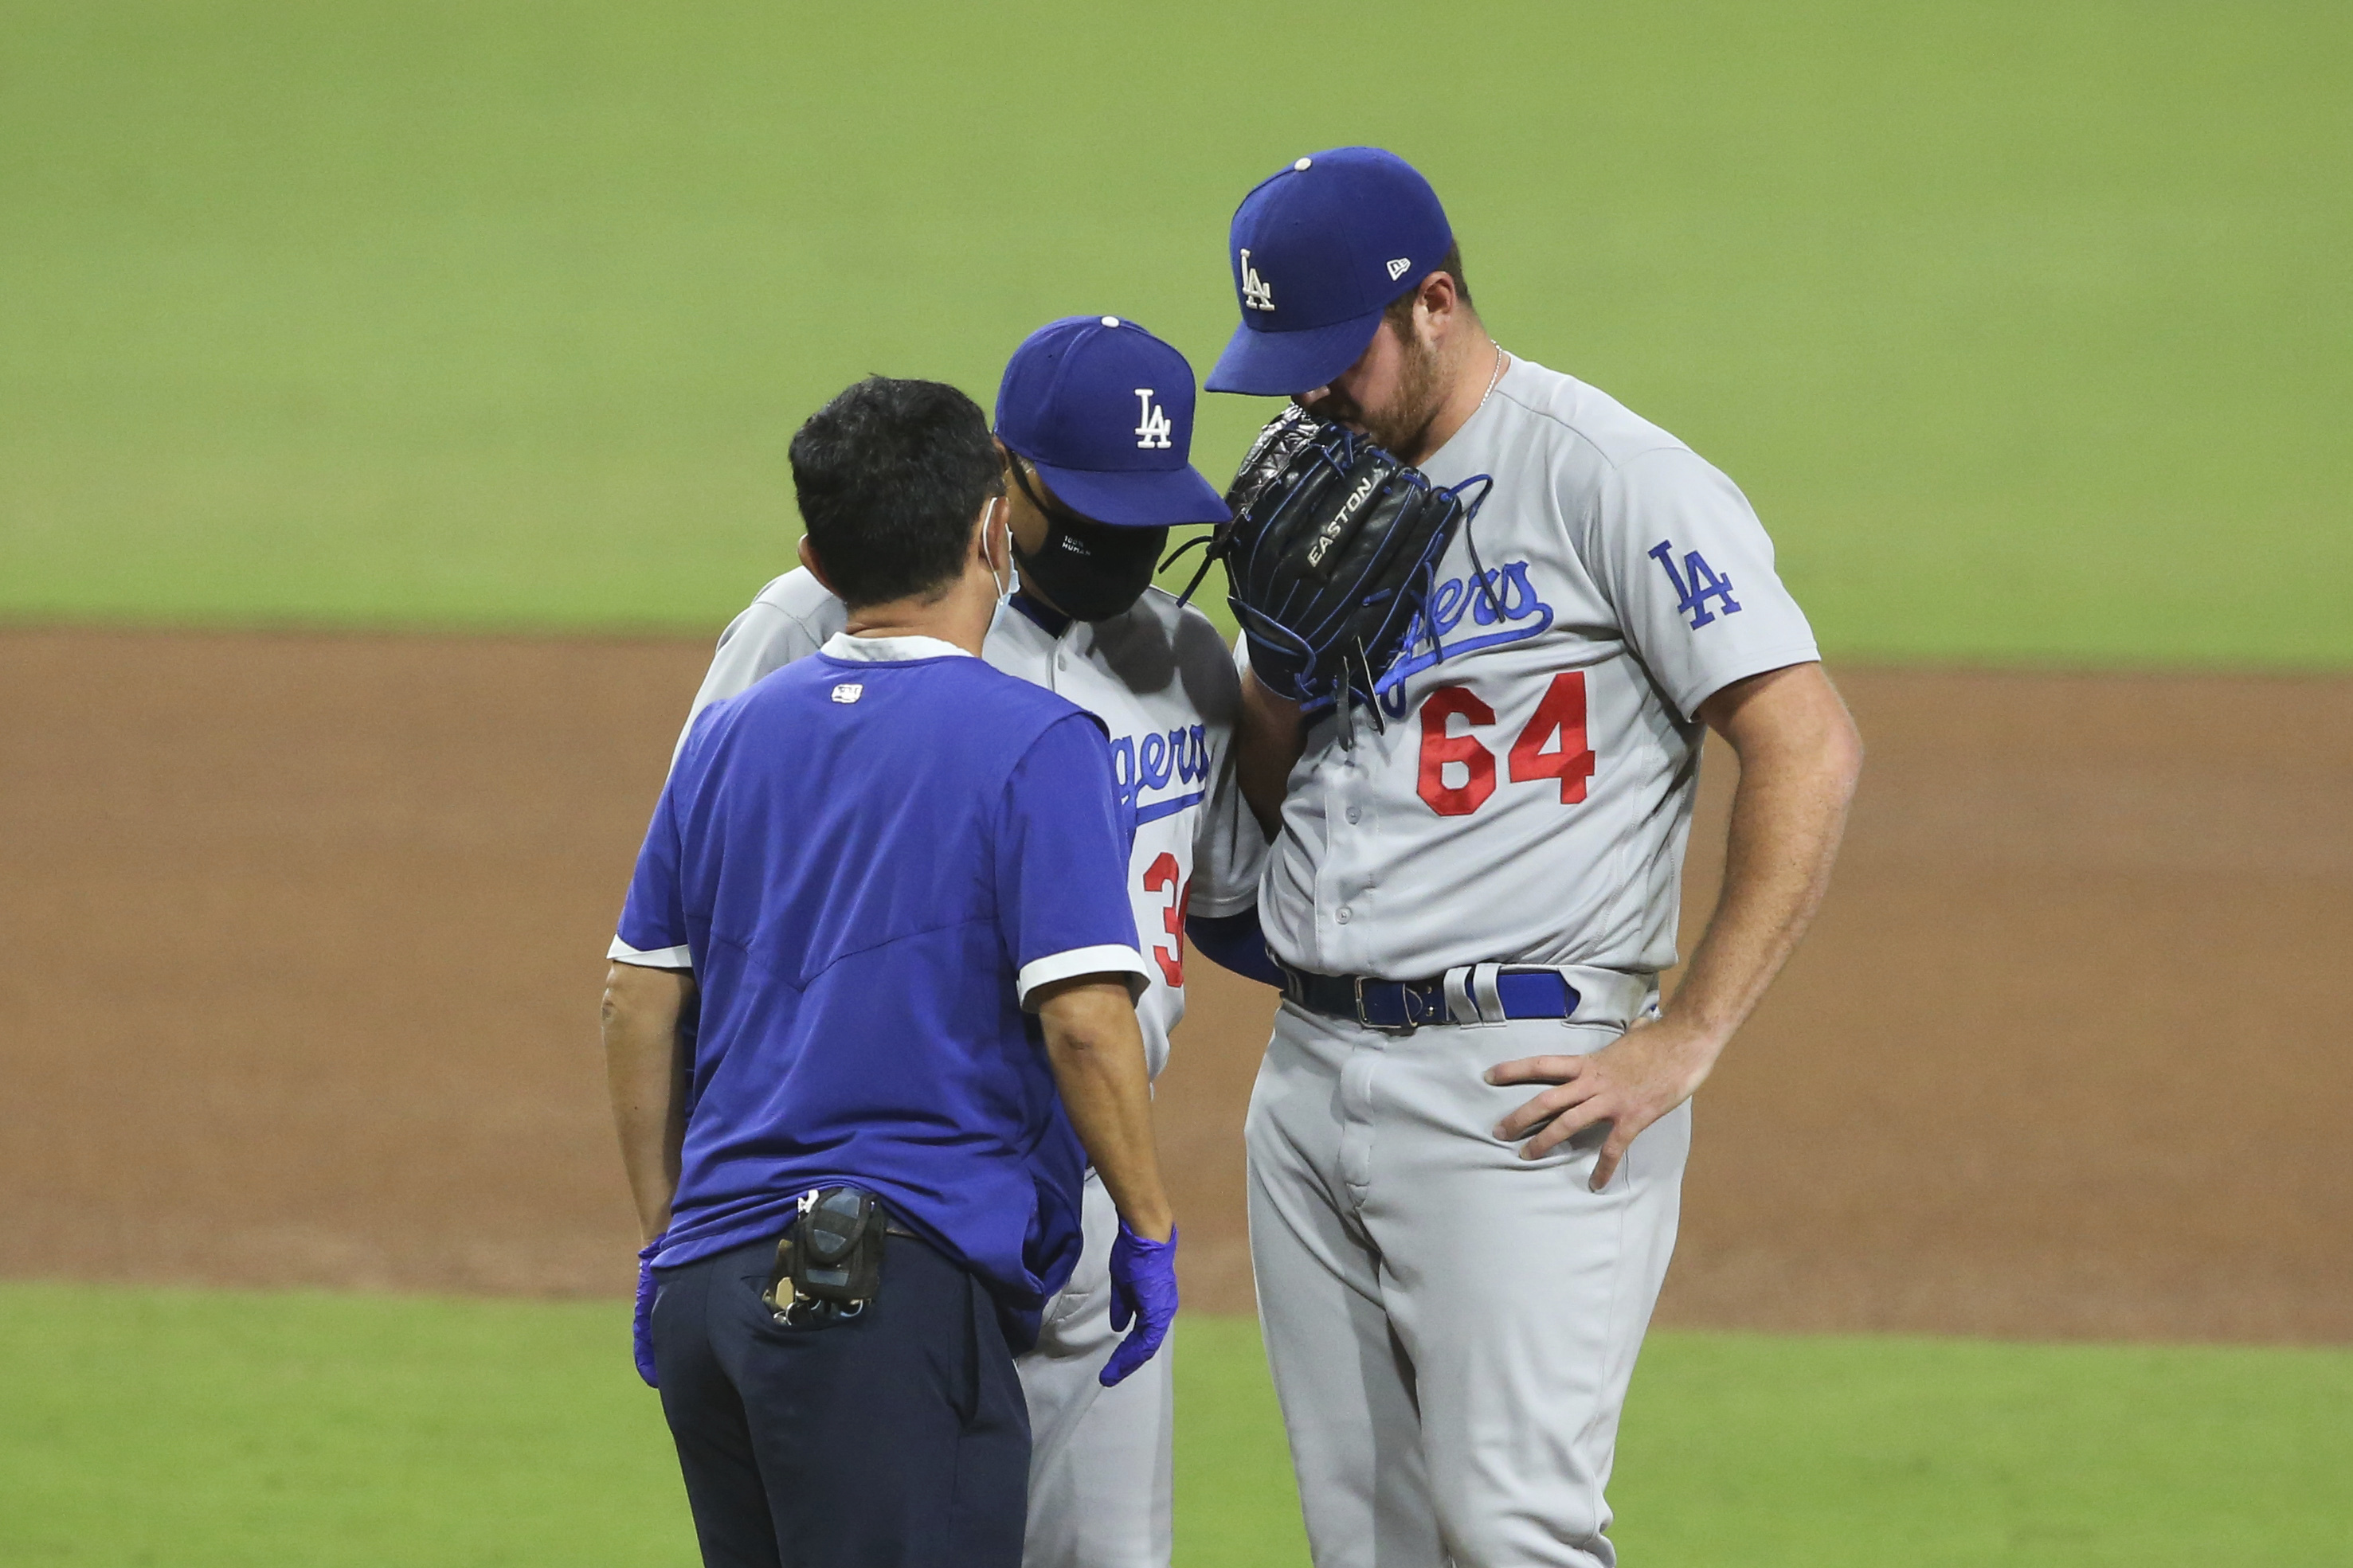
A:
[848,691]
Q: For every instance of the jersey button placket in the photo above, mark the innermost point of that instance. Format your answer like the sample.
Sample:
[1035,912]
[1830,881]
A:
[1347,851]
[1329,782]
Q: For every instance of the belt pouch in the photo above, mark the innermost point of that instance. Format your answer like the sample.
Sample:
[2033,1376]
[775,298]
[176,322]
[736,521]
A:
[829,1259]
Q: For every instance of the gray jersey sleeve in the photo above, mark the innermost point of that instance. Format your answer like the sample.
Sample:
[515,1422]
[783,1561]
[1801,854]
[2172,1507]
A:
[1228,850]
[1689,568]
[790,620]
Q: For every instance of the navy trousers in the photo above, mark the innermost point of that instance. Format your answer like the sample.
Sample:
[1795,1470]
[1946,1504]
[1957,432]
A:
[900,1437]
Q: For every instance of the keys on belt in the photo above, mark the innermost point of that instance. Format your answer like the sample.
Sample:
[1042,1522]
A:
[1473,993]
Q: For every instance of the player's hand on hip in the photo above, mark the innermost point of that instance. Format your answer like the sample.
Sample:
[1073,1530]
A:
[1628,1083]
[1143,1291]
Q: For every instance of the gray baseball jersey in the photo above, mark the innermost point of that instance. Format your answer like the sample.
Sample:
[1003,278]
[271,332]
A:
[1160,678]
[1528,795]
[1452,1327]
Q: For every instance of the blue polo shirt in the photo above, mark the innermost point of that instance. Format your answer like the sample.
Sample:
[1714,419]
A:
[870,859]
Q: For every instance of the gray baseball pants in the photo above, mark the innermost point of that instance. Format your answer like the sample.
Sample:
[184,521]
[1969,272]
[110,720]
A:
[1100,1459]
[1451,1328]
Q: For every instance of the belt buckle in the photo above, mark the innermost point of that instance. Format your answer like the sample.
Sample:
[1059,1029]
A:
[1405,997]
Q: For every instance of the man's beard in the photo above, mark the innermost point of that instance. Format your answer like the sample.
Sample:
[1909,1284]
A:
[1400,428]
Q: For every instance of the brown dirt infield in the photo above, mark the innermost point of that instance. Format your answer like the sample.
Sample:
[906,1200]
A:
[302,939]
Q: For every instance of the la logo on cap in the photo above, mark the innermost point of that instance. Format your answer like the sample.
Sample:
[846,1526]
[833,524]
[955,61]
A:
[1256,295]
[1152,423]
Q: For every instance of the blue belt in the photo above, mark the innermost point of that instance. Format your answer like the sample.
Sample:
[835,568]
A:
[1404,1005]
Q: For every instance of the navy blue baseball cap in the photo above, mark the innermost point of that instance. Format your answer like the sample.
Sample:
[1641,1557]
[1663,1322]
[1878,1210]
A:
[1103,411]
[1319,251]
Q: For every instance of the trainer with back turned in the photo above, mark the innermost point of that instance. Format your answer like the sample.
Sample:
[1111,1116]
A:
[870,1016]
[1094,432]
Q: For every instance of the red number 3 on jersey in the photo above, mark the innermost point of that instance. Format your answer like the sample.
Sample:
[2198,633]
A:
[1553,746]
[1161,878]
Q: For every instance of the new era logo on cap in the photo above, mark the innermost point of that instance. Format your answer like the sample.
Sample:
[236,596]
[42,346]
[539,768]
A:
[1396,268]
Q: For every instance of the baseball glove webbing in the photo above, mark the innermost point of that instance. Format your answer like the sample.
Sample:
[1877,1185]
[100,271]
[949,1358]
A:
[1331,556]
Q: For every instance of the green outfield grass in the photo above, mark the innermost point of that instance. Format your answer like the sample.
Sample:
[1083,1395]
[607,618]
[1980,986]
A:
[168,1426]
[2023,324]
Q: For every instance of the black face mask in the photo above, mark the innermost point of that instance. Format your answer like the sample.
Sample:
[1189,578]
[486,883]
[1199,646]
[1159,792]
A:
[1089,570]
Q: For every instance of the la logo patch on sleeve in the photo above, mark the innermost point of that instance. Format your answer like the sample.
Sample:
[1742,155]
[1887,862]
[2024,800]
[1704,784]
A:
[1695,584]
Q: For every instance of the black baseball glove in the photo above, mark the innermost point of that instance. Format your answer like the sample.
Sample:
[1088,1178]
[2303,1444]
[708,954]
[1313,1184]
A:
[1330,557]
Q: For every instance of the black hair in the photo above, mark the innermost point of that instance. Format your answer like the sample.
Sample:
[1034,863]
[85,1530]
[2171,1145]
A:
[891,475]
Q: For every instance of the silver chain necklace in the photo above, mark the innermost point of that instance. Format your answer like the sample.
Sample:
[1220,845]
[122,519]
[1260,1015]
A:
[1491,380]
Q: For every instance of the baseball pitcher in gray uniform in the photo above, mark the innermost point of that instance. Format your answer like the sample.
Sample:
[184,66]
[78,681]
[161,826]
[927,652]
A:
[1467,1139]
[1096,417]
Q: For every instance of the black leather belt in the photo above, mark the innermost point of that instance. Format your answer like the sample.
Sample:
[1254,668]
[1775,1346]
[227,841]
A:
[1401,1006]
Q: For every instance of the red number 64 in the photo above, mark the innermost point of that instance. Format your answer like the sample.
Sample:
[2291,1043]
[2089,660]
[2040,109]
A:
[1553,746]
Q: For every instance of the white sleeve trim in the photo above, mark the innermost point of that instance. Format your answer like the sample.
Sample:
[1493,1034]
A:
[1110,958]
[657,958]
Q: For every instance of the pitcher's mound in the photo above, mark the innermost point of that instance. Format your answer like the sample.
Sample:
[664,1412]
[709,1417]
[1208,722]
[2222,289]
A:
[304,936]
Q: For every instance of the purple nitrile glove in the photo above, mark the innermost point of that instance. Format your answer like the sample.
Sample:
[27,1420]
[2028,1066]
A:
[1142,1287]
[641,1322]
